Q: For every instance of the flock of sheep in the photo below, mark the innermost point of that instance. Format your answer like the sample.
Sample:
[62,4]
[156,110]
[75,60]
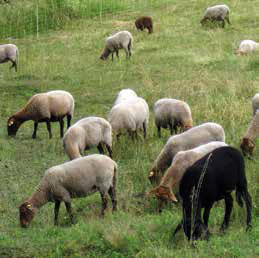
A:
[195,159]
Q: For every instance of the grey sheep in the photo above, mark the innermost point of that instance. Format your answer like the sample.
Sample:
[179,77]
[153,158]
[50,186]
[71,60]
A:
[9,52]
[46,107]
[192,138]
[74,179]
[87,133]
[217,13]
[172,113]
[121,39]
[255,103]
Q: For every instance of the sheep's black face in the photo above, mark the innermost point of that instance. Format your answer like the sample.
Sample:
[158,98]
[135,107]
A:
[26,214]
[247,146]
[105,54]
[12,126]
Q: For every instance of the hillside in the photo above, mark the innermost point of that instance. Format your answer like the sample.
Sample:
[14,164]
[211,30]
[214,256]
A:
[180,60]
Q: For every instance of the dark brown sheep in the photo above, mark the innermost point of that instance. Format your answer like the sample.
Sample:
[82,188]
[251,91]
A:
[144,22]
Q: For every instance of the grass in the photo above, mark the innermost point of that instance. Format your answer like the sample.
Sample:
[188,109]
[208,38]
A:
[180,60]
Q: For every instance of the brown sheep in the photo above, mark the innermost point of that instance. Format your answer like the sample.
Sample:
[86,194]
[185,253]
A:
[144,22]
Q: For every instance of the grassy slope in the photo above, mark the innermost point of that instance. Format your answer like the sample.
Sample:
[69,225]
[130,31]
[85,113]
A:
[180,60]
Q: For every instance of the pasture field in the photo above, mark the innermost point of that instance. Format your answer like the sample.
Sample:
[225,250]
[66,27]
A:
[181,60]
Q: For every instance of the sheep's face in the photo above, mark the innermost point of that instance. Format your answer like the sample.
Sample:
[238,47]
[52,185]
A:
[163,193]
[247,146]
[200,232]
[26,214]
[152,177]
[105,54]
[13,126]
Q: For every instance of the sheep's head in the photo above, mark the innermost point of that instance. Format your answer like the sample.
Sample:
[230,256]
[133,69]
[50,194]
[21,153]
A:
[200,232]
[12,126]
[163,193]
[105,54]
[153,178]
[27,213]
[247,146]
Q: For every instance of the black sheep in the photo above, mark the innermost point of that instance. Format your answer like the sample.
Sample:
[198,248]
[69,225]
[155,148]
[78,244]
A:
[213,177]
[144,22]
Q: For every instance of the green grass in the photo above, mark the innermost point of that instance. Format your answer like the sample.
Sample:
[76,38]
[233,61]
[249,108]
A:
[180,60]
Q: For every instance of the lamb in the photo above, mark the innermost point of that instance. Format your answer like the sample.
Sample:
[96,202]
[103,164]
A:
[87,133]
[255,103]
[9,52]
[129,116]
[248,141]
[172,113]
[210,179]
[125,95]
[181,161]
[192,138]
[247,46]
[144,22]
[77,178]
[121,39]
[46,107]
[216,13]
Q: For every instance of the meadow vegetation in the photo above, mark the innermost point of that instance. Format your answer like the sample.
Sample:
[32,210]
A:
[181,60]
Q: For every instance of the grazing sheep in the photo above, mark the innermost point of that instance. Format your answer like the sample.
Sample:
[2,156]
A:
[192,138]
[216,13]
[248,141]
[255,103]
[87,133]
[172,113]
[77,178]
[129,116]
[144,22]
[46,107]
[247,46]
[121,39]
[213,178]
[125,95]
[181,161]
[9,52]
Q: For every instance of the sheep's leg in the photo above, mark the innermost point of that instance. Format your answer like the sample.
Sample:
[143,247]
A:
[227,18]
[112,56]
[206,215]
[69,211]
[56,210]
[112,194]
[144,130]
[69,117]
[104,202]
[159,131]
[61,124]
[228,209]
[117,52]
[171,128]
[187,218]
[49,128]
[109,149]
[100,148]
[13,65]
[126,52]
[248,203]
[35,130]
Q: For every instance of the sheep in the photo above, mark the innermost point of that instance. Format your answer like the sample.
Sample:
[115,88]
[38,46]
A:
[247,46]
[210,179]
[77,178]
[9,52]
[87,133]
[144,22]
[129,116]
[174,174]
[255,103]
[172,113]
[121,39]
[216,13]
[248,141]
[46,107]
[192,138]
[125,95]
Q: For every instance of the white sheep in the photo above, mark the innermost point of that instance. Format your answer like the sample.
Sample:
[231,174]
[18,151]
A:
[217,13]
[87,133]
[192,138]
[172,113]
[46,107]
[77,178]
[248,141]
[9,52]
[255,103]
[247,46]
[121,39]
[180,163]
[125,95]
